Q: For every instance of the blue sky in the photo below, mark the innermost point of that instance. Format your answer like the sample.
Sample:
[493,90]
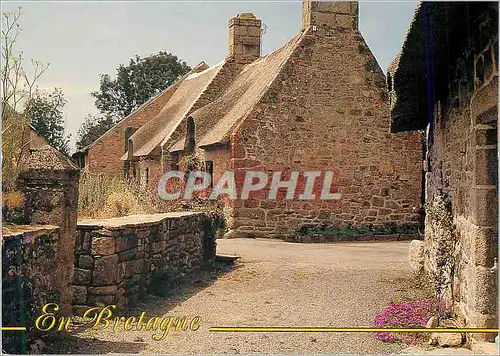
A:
[80,40]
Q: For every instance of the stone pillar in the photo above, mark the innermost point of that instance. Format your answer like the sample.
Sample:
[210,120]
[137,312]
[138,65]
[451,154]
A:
[49,182]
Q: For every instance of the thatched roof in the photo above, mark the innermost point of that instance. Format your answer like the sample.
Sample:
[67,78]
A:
[164,93]
[150,136]
[215,121]
[439,33]
[178,146]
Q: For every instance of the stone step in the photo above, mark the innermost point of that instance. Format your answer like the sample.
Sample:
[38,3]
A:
[229,259]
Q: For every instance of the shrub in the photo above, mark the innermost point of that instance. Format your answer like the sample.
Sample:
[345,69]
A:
[121,203]
[108,197]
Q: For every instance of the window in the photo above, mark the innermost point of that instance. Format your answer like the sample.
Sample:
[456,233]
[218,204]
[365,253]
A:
[209,168]
[129,131]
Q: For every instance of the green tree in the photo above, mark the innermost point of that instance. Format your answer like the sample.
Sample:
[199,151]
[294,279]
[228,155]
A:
[92,128]
[45,113]
[137,82]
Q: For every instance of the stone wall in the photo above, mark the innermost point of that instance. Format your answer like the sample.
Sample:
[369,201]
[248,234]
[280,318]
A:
[221,158]
[29,259]
[148,172]
[327,110]
[118,260]
[462,167]
[49,183]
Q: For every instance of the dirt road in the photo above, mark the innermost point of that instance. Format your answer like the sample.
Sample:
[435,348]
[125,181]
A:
[275,284]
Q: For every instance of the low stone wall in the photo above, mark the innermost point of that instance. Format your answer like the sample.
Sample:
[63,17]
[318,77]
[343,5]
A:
[29,259]
[118,260]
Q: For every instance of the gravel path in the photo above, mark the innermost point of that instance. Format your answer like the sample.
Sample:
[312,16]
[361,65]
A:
[275,284]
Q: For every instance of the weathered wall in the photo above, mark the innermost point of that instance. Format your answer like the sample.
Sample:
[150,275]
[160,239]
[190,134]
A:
[49,183]
[221,159]
[104,155]
[327,111]
[148,172]
[28,279]
[462,166]
[118,260]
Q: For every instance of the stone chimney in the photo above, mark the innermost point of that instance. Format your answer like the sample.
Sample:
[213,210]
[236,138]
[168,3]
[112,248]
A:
[330,14]
[244,38]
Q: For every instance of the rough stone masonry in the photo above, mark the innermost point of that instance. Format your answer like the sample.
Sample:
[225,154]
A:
[460,250]
[117,261]
[327,109]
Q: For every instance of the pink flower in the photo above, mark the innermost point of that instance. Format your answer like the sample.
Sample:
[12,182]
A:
[414,314]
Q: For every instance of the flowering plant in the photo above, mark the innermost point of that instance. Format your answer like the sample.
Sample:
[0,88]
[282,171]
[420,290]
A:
[413,314]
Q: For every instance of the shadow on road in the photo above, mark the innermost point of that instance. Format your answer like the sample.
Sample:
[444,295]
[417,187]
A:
[75,342]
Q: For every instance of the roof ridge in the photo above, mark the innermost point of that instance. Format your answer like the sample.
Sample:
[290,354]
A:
[395,62]
[152,134]
[221,65]
[285,52]
[141,107]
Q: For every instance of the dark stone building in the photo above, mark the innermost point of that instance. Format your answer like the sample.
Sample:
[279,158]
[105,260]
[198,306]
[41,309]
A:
[445,80]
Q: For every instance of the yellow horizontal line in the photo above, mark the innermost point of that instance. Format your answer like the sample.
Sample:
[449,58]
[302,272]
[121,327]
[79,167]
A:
[13,328]
[352,330]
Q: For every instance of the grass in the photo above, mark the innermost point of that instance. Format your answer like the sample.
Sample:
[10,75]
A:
[102,197]
[106,197]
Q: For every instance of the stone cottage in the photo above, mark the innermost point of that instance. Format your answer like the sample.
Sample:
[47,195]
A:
[103,155]
[445,80]
[149,151]
[319,103]
[110,154]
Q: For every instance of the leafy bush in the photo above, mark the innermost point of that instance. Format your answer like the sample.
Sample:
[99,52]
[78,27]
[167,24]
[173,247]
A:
[216,222]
